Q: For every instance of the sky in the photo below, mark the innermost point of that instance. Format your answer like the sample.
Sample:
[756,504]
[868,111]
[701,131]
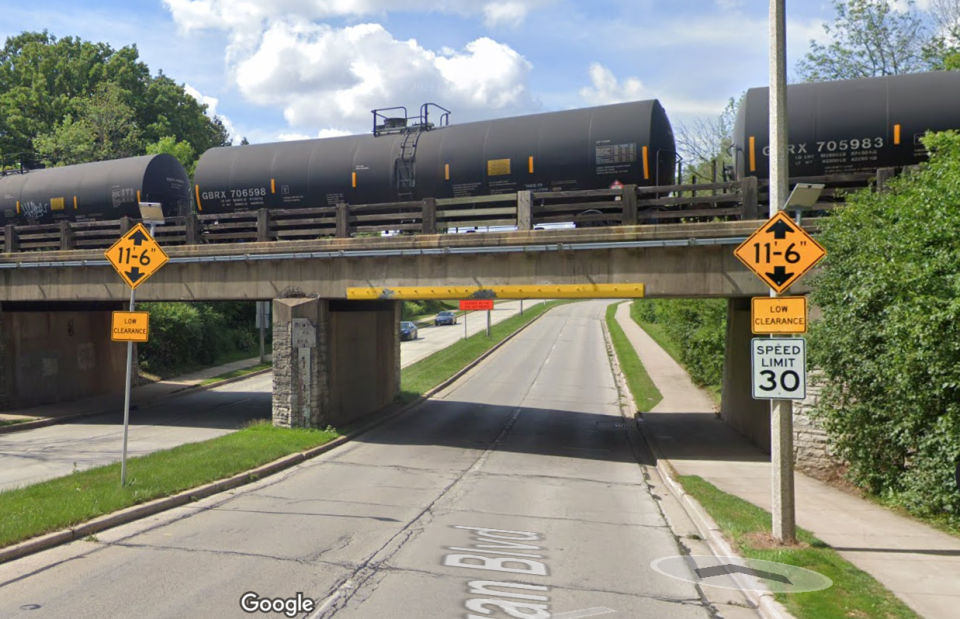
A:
[291,69]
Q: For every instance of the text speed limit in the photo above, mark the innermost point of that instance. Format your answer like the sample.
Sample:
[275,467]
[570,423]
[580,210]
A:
[779,368]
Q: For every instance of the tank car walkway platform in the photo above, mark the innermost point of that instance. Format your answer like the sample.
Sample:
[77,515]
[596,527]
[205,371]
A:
[918,563]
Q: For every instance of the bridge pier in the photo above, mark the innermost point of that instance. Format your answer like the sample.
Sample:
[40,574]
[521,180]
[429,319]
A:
[334,361]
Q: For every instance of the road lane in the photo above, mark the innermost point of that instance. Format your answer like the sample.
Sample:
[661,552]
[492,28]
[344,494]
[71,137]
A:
[528,443]
[433,339]
[34,455]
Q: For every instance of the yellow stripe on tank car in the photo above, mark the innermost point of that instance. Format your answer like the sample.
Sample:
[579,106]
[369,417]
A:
[273,185]
[530,164]
[446,172]
[354,180]
[646,163]
[197,187]
[138,196]
[753,154]
[896,134]
[74,202]
[18,207]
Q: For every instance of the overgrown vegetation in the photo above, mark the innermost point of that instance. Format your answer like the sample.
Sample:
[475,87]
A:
[83,495]
[889,339]
[854,592]
[188,336]
[692,331]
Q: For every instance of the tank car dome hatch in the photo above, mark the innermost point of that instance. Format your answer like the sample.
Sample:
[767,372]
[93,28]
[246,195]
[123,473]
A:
[580,149]
[104,190]
[849,126]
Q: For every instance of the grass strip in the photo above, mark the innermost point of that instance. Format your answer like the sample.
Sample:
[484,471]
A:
[645,392]
[236,373]
[854,592]
[11,422]
[83,495]
[429,372]
[659,335]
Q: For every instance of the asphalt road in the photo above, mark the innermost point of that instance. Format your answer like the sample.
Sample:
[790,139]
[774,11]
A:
[35,455]
[519,474]
[433,338]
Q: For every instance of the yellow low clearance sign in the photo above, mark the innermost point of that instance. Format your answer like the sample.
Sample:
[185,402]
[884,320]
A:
[778,315]
[130,327]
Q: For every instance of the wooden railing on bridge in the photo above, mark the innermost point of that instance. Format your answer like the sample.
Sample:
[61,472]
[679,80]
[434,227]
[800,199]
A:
[526,210]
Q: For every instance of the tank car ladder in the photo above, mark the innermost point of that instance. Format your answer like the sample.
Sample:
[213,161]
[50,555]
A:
[406,164]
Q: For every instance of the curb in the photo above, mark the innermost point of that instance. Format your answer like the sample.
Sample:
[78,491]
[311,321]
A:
[136,512]
[52,421]
[711,533]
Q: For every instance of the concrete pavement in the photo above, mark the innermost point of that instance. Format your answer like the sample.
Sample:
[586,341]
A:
[139,396]
[919,564]
[421,517]
[43,453]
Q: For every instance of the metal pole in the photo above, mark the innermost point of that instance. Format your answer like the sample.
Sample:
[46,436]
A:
[781,411]
[488,323]
[465,324]
[521,307]
[263,331]
[126,400]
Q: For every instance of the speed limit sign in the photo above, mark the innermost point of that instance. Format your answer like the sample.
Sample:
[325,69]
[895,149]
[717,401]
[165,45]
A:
[779,367]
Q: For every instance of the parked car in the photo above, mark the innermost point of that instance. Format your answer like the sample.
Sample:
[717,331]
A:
[445,318]
[408,331]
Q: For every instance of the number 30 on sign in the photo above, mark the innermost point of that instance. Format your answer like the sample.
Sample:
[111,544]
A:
[779,368]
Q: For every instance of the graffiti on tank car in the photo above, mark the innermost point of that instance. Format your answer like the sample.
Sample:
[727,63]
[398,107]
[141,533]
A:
[33,209]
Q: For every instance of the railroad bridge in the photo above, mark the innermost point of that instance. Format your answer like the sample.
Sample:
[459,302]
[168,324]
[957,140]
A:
[58,290]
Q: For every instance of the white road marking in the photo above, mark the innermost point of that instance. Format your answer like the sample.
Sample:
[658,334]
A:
[588,612]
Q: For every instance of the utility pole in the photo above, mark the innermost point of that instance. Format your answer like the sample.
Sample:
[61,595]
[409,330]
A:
[781,411]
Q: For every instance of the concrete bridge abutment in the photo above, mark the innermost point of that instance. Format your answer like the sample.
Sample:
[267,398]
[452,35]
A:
[58,352]
[334,361]
[737,407]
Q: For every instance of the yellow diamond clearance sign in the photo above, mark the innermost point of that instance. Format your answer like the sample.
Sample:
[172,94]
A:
[780,252]
[136,256]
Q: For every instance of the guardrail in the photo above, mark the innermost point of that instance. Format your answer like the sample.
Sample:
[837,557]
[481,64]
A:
[526,210]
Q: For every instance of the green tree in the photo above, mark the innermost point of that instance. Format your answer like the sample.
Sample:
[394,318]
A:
[706,141]
[45,80]
[889,339]
[869,38]
[181,150]
[105,128]
[943,50]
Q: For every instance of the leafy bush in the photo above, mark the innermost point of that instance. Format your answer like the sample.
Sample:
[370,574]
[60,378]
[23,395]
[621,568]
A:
[698,327]
[889,338]
[186,335]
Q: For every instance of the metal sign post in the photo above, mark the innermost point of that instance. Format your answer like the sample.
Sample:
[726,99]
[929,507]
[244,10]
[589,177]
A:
[488,323]
[136,256]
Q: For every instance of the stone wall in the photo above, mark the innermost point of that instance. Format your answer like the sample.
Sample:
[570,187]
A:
[811,447]
[300,378]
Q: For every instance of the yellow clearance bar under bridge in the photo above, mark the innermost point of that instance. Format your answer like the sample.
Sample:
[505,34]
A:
[532,291]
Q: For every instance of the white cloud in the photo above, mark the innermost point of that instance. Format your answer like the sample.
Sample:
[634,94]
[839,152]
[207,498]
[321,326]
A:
[244,15]
[606,89]
[211,103]
[323,76]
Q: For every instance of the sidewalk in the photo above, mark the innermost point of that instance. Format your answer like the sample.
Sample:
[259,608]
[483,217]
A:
[919,564]
[139,396]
